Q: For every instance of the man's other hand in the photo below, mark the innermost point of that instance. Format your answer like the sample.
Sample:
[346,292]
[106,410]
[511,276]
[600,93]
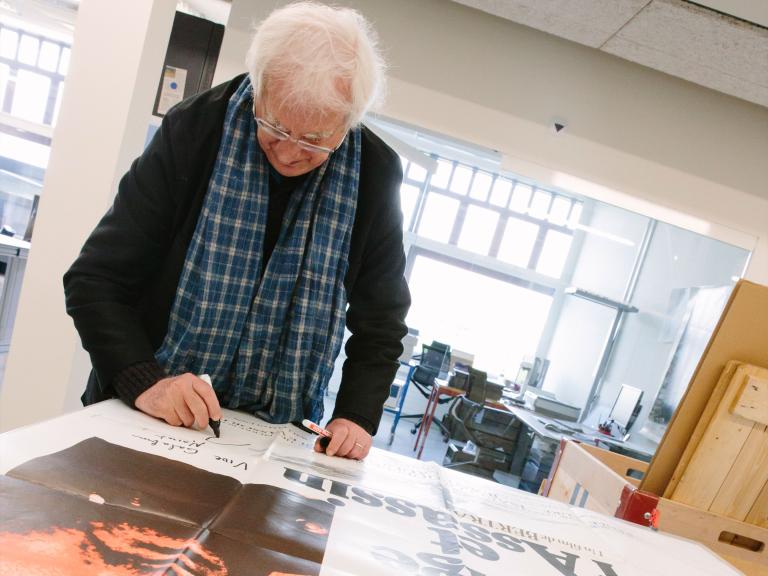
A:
[349,440]
[181,401]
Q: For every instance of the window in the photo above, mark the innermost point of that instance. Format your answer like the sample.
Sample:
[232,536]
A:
[522,232]
[32,71]
[476,312]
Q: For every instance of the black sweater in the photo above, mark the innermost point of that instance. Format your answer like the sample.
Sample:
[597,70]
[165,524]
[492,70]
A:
[121,288]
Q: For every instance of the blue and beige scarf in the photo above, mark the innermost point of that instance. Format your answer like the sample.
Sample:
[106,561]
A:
[269,342]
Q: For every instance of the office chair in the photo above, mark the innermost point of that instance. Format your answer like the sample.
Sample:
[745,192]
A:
[434,361]
[493,432]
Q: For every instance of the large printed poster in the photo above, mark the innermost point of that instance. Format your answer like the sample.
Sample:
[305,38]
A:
[110,491]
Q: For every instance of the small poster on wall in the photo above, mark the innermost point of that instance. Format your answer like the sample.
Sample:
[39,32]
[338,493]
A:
[172,92]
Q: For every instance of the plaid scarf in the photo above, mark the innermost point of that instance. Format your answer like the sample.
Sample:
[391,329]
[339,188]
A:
[269,342]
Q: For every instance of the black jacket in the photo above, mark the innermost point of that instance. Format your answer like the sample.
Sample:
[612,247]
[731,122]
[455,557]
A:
[121,288]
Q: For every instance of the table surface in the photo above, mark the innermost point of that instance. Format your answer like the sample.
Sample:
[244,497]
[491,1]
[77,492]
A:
[97,491]
[557,430]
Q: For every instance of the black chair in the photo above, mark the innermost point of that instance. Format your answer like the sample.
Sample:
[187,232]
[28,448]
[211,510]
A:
[493,432]
[433,363]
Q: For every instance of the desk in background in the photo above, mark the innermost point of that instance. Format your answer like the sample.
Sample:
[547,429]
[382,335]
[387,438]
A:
[110,490]
[546,434]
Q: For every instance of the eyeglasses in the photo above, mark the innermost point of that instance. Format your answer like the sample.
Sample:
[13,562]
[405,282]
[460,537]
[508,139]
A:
[278,134]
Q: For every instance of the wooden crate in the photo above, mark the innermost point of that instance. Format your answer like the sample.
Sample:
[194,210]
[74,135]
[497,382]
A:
[603,481]
[726,470]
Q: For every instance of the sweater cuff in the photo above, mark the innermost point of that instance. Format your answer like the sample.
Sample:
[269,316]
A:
[364,423]
[132,381]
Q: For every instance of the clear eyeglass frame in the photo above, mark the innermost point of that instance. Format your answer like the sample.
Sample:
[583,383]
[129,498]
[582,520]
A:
[278,134]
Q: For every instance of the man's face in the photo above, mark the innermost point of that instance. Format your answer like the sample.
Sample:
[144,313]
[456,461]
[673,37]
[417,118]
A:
[288,156]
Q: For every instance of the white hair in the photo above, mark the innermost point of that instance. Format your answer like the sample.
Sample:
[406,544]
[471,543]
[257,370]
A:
[318,59]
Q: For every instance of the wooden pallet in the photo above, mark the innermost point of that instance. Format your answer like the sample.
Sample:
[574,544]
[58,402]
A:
[727,470]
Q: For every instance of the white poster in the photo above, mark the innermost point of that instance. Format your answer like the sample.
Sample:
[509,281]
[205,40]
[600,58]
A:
[109,490]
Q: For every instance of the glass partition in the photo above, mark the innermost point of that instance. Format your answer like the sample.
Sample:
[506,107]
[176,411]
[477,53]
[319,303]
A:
[505,268]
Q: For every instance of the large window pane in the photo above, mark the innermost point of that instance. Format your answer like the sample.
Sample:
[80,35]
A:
[442,174]
[554,253]
[500,193]
[438,217]
[517,243]
[31,96]
[462,176]
[521,197]
[478,229]
[409,195]
[9,41]
[28,48]
[480,186]
[497,321]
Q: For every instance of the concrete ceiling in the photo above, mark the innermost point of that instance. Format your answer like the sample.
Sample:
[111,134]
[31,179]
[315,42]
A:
[723,46]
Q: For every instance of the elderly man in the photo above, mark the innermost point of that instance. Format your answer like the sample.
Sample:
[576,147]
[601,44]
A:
[261,217]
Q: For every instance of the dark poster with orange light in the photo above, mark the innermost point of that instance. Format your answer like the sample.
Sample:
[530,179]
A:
[97,508]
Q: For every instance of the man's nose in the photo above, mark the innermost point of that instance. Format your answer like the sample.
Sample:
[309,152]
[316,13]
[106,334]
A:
[287,151]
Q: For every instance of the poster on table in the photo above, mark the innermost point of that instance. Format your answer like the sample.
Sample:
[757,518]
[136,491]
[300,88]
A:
[108,490]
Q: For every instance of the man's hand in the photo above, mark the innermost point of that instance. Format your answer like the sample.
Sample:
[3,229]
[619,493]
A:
[181,401]
[349,440]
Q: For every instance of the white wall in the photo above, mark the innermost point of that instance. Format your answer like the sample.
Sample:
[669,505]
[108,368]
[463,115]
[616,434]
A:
[117,57]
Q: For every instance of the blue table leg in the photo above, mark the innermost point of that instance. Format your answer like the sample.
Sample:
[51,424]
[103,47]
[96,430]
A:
[400,403]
